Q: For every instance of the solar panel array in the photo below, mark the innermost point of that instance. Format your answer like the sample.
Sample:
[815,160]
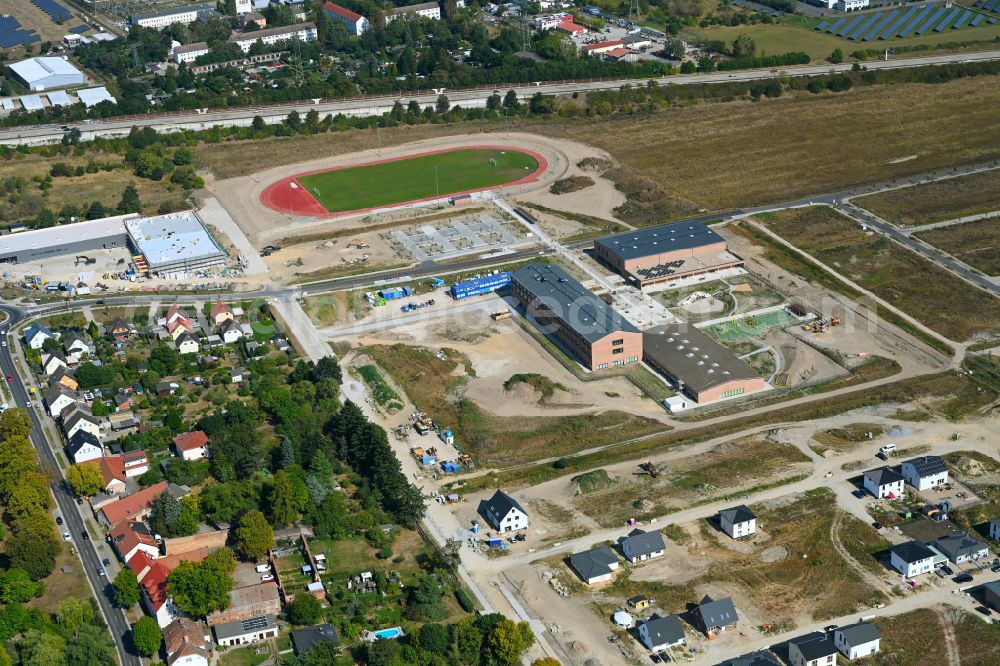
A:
[255,623]
[80,29]
[988,5]
[658,271]
[12,34]
[55,11]
[776,13]
[915,20]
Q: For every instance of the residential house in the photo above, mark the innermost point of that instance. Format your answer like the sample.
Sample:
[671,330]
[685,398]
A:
[244,632]
[759,658]
[991,594]
[214,341]
[36,335]
[76,347]
[253,17]
[120,330]
[925,472]
[123,420]
[715,616]
[884,483]
[179,327]
[166,388]
[815,649]
[117,469]
[62,376]
[503,513]
[659,633]
[961,548]
[83,447]
[249,601]
[58,398]
[911,558]
[239,374]
[123,402]
[129,537]
[640,545]
[152,577]
[175,313]
[53,361]
[220,313]
[306,638]
[857,640]
[738,522]
[355,23]
[427,10]
[594,566]
[76,418]
[994,527]
[136,506]
[187,344]
[191,445]
[230,331]
[187,643]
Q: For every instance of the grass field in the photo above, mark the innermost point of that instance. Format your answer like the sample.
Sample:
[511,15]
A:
[935,202]
[975,243]
[916,639]
[388,183]
[938,299]
[797,34]
[740,328]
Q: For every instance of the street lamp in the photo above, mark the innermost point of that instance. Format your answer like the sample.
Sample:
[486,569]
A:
[437,187]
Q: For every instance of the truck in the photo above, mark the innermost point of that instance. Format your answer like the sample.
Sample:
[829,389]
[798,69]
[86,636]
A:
[436,282]
[390,293]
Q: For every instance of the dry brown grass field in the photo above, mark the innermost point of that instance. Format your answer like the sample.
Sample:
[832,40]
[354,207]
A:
[943,302]
[935,202]
[725,155]
[975,243]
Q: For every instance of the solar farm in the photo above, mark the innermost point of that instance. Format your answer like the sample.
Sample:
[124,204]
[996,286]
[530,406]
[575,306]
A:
[12,34]
[914,21]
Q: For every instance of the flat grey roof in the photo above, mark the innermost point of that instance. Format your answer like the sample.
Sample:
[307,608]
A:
[165,239]
[414,8]
[692,357]
[174,10]
[579,307]
[23,241]
[664,238]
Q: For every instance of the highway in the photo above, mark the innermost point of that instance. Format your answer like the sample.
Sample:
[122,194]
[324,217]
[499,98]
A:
[66,504]
[367,106]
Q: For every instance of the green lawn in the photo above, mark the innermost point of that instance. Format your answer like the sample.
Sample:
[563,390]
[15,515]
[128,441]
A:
[403,180]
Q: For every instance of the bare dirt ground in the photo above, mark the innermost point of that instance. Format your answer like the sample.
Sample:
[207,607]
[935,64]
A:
[313,256]
[598,200]
[241,196]
[501,349]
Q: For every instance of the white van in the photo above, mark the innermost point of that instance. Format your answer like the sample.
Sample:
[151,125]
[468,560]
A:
[263,568]
[887,449]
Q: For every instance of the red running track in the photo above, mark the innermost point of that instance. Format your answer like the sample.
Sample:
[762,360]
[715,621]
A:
[288,197]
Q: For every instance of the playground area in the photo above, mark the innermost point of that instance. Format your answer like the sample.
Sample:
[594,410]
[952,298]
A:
[750,326]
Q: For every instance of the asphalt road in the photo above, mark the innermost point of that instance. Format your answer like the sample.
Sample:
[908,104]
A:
[72,520]
[366,106]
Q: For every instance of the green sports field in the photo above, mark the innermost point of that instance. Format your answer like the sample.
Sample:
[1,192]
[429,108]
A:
[389,183]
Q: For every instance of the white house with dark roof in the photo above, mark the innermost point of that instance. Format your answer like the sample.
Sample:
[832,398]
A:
[961,548]
[76,347]
[53,361]
[738,522]
[83,447]
[503,513]
[884,483]
[58,398]
[77,418]
[659,633]
[857,640]
[815,649]
[925,472]
[36,335]
[912,558]
[594,566]
[187,344]
[640,545]
[245,631]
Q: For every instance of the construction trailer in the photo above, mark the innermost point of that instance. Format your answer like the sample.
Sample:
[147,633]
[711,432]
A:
[391,293]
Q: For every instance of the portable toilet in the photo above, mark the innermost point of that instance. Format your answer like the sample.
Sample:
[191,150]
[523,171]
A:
[475,527]
[447,436]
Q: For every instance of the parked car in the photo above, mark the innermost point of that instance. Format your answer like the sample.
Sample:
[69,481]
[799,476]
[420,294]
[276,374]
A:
[58,520]
[266,578]
[66,536]
[964,577]
[106,562]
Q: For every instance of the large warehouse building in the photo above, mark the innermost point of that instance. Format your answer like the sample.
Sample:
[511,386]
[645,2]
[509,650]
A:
[699,366]
[587,326]
[46,73]
[668,252]
[171,243]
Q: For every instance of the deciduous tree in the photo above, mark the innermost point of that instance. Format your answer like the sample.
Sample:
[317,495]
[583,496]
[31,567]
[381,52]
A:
[85,480]
[146,636]
[254,536]
[126,588]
